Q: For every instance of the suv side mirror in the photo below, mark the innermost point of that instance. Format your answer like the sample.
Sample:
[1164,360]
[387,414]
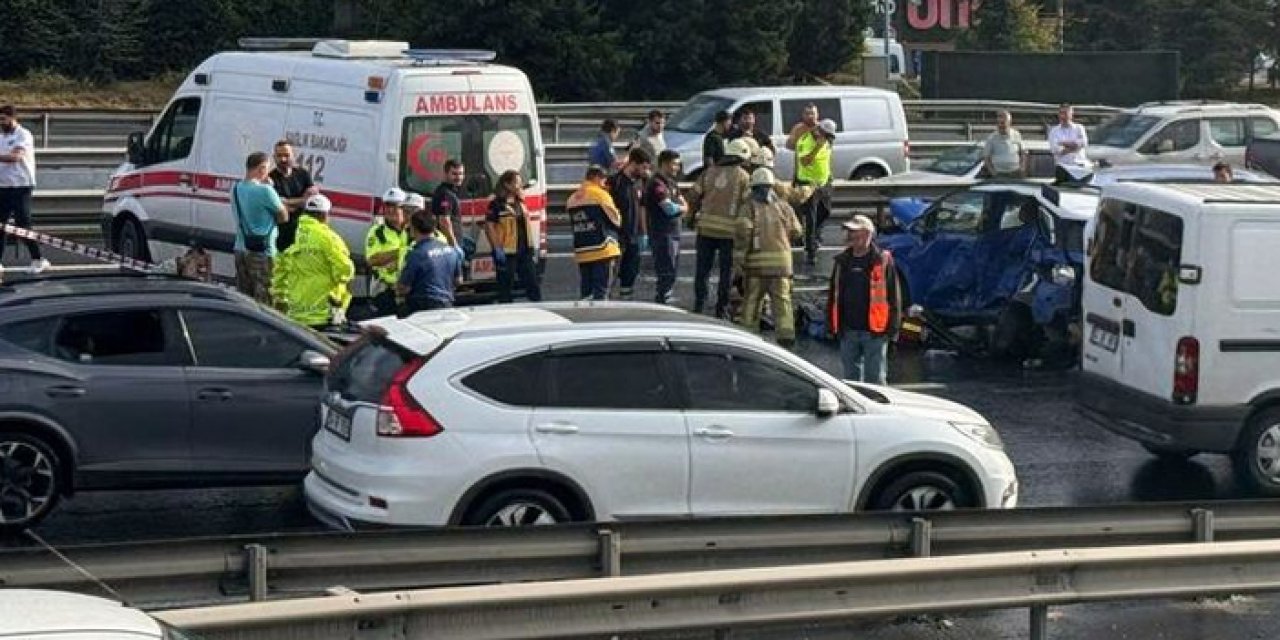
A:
[136,150]
[313,362]
[828,403]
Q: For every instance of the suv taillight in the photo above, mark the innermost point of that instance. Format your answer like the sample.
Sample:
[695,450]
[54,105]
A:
[400,416]
[1186,371]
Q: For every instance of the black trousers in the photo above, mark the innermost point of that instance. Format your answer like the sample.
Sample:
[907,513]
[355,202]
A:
[713,250]
[15,203]
[666,261]
[384,304]
[815,212]
[519,268]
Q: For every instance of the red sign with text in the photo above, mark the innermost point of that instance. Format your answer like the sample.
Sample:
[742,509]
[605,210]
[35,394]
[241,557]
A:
[461,103]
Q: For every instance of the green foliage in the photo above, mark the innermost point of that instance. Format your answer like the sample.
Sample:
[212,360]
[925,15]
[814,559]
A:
[35,33]
[1011,25]
[827,36]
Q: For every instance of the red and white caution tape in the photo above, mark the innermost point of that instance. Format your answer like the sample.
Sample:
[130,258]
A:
[109,257]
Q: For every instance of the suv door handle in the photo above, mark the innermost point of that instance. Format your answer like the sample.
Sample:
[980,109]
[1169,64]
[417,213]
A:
[563,428]
[220,394]
[64,391]
[713,432]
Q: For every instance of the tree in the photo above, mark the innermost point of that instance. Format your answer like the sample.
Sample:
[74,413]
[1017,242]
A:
[827,36]
[34,33]
[109,41]
[1104,25]
[1217,39]
[1010,25]
[182,33]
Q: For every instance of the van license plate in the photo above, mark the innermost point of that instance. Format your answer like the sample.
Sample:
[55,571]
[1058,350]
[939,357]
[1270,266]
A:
[482,269]
[338,424]
[1100,337]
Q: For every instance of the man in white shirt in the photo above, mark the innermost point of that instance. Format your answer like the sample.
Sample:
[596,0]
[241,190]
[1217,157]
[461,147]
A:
[1004,155]
[17,179]
[1068,141]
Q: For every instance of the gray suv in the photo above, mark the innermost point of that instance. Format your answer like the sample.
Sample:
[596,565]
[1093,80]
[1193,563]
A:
[127,381]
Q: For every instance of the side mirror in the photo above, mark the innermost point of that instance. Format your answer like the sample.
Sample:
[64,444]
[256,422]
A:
[828,403]
[135,149]
[313,362]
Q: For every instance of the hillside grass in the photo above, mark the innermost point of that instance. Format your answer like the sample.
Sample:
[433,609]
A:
[42,90]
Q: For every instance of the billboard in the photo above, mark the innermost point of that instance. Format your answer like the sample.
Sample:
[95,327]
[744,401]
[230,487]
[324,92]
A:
[1131,77]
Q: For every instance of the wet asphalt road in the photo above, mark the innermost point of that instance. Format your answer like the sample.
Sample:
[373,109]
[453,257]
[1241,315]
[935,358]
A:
[1062,460]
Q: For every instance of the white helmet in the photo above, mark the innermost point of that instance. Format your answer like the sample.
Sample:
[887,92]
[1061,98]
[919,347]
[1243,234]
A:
[394,195]
[414,201]
[738,148]
[828,126]
[763,157]
[319,204]
[762,177]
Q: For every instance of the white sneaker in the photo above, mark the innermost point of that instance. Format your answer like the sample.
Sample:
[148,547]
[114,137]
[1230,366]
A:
[39,264]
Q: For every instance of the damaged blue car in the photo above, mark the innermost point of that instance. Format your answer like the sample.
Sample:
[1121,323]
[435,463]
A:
[995,268]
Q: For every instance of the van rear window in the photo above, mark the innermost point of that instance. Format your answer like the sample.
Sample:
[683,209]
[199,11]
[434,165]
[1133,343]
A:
[487,145]
[1137,250]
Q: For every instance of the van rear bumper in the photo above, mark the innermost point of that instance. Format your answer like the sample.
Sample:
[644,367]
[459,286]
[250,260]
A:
[1157,421]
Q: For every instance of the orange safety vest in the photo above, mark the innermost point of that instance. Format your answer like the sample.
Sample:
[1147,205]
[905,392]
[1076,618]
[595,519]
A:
[878,298]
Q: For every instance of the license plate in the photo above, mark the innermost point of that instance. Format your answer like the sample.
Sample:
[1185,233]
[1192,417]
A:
[482,269]
[338,424]
[1100,337]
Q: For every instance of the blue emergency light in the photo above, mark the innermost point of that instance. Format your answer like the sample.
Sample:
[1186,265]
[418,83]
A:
[444,56]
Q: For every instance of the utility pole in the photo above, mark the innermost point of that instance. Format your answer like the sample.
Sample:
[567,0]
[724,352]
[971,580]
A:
[1062,27]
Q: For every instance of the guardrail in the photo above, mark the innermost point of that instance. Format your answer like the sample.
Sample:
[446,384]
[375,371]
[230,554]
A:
[200,571]
[751,598]
[559,153]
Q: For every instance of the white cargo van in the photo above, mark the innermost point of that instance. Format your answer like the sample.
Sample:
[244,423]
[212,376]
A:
[363,116]
[1181,347]
[871,139]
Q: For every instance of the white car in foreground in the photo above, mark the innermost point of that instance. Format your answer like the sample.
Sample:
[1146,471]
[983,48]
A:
[32,614]
[535,414]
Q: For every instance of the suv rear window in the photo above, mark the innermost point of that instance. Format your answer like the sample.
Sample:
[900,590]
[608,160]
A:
[364,371]
[519,381]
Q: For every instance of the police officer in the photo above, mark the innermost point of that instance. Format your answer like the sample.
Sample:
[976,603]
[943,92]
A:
[311,277]
[596,226]
[385,247]
[764,249]
[663,206]
[719,196]
[432,270]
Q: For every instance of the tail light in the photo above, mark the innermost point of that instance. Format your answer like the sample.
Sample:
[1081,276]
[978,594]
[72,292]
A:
[1186,371]
[400,416]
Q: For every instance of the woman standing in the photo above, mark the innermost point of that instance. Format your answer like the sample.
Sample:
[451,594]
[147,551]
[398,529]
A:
[511,234]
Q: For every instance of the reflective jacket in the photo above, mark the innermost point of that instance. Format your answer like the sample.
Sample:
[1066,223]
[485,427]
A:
[312,275]
[596,222]
[381,239]
[765,238]
[507,230]
[884,311]
[719,196]
[819,171]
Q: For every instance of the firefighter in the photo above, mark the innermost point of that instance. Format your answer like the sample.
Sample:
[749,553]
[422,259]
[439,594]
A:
[794,195]
[718,197]
[763,249]
[596,226]
[311,277]
[385,247]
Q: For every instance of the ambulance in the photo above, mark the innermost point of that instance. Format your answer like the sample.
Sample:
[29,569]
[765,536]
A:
[363,116]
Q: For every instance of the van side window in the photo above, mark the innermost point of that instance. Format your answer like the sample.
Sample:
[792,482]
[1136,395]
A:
[1228,132]
[173,137]
[827,108]
[1137,250]
[868,114]
[1260,127]
[1111,243]
[1176,136]
[764,115]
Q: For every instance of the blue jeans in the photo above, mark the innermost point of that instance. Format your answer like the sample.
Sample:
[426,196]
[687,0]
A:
[865,356]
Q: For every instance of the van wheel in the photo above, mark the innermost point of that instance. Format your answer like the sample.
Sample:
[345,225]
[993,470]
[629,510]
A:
[29,481]
[1011,339]
[922,491]
[1257,455]
[131,240]
[519,508]
[869,172]
[1170,454]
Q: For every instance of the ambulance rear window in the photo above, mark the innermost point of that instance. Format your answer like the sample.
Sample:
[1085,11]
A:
[488,145]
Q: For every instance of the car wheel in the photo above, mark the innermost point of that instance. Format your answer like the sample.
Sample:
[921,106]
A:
[922,491]
[1170,454]
[131,240]
[29,480]
[1257,457]
[870,172]
[1011,338]
[519,508]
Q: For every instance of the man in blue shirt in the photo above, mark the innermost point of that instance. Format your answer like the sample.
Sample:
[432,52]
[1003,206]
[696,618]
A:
[431,270]
[601,153]
[257,210]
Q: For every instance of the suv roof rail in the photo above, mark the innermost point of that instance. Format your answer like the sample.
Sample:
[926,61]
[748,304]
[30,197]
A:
[253,43]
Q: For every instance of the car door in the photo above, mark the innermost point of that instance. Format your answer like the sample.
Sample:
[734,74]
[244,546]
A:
[254,410]
[1104,299]
[940,268]
[167,172]
[1226,141]
[1017,226]
[1178,141]
[757,445]
[611,422]
[124,397]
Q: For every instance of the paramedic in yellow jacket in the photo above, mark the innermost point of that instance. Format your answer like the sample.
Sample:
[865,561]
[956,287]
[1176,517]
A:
[718,197]
[596,225]
[312,276]
[765,235]
[511,236]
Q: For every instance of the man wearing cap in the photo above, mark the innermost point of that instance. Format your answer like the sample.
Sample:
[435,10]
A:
[385,247]
[310,283]
[763,248]
[813,169]
[864,308]
[596,224]
[713,143]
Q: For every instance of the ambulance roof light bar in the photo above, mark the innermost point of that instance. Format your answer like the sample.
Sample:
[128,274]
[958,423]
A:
[278,44]
[446,56]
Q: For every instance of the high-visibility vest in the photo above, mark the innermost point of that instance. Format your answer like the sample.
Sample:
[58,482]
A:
[819,171]
[595,222]
[311,276]
[381,239]
[878,309]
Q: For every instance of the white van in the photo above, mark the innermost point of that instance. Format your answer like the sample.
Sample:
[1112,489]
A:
[871,138]
[874,48]
[363,116]
[1181,345]
[1189,132]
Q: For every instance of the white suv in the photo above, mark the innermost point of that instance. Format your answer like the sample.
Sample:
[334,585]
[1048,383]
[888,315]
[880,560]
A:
[1182,132]
[534,414]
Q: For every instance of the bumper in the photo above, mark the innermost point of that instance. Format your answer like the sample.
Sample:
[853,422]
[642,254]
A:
[999,482]
[1156,421]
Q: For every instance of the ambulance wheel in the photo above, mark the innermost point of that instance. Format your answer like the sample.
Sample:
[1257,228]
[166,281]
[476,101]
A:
[131,240]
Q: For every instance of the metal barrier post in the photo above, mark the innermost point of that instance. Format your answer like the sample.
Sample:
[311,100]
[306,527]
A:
[256,569]
[555,123]
[610,553]
[921,538]
[1202,524]
[44,130]
[1039,622]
